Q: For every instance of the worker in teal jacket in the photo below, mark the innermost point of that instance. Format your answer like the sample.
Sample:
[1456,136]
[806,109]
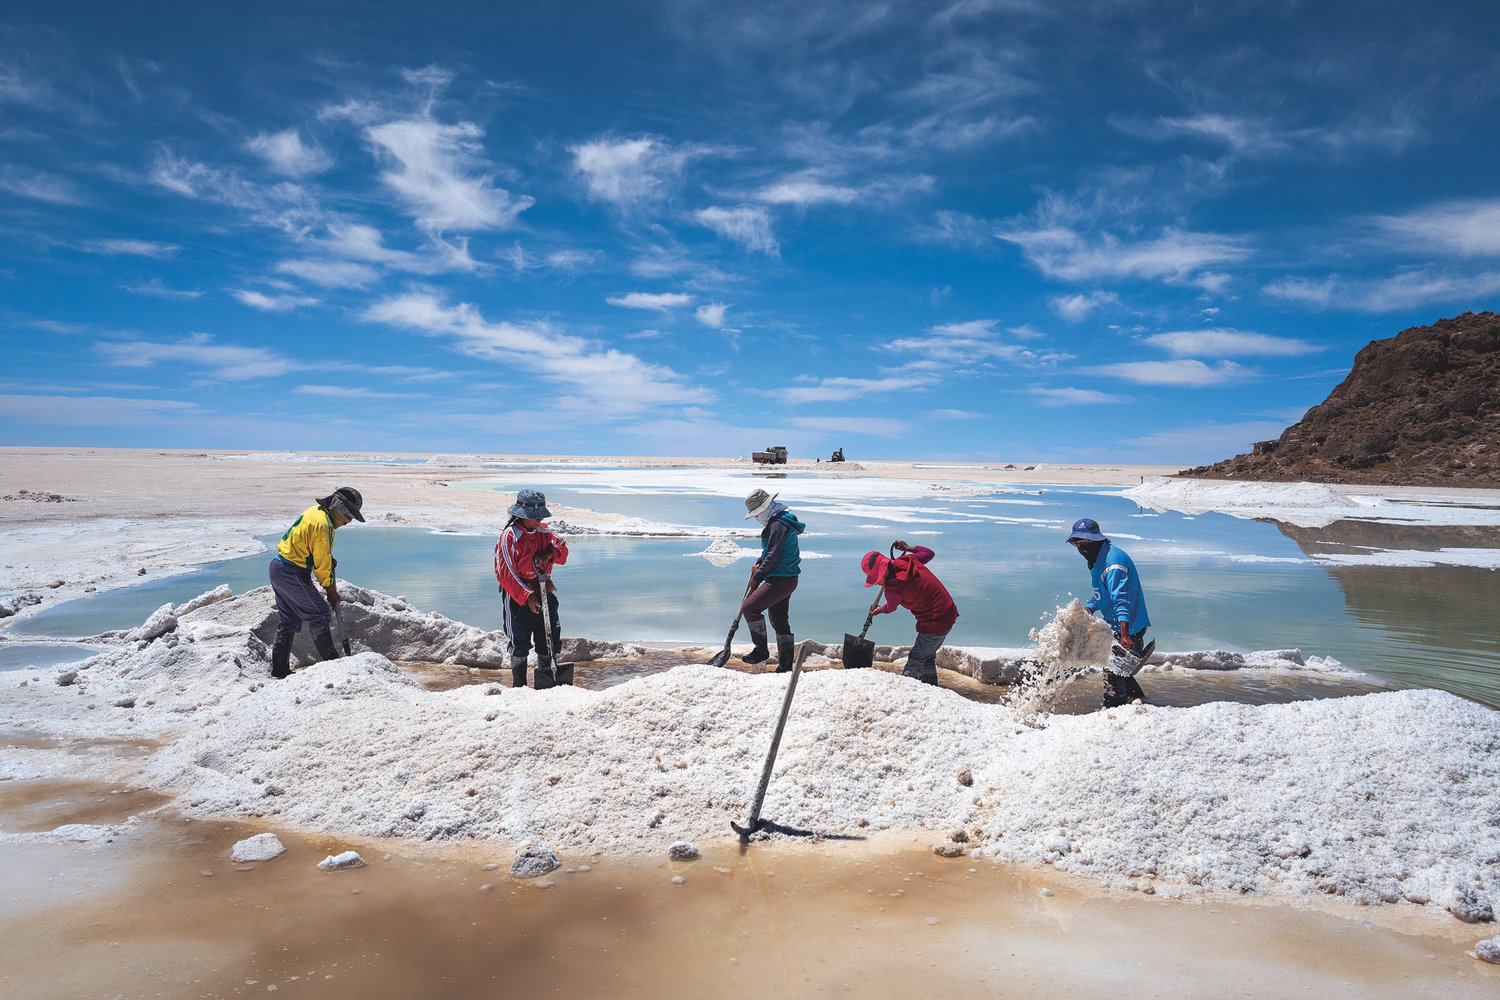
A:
[772,579]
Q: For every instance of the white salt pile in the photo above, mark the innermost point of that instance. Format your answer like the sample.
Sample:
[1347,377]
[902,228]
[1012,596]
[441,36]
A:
[261,847]
[1387,797]
[346,861]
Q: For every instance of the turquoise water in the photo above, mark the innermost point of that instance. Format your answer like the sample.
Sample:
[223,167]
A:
[1002,555]
[20,655]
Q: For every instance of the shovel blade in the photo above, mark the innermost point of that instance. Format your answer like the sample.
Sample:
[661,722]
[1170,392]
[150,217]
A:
[858,652]
[720,658]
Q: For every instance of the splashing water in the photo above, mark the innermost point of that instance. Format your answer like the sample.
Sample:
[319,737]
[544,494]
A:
[1069,643]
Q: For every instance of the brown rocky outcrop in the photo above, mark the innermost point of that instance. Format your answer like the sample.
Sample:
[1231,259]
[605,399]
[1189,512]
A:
[1421,408]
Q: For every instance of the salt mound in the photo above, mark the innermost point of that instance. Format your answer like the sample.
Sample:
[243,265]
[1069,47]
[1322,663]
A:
[723,551]
[1304,504]
[1378,798]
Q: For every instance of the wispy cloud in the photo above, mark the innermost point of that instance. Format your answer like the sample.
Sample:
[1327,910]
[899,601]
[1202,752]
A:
[629,173]
[651,300]
[711,314]
[272,303]
[351,392]
[747,225]
[286,153]
[229,362]
[1074,397]
[155,288]
[436,173]
[1070,256]
[93,411]
[873,426]
[330,273]
[806,190]
[1076,308]
[132,248]
[615,382]
[1206,442]
[39,186]
[973,342]
[1405,290]
[1185,373]
[833,390]
[1230,344]
[1456,228]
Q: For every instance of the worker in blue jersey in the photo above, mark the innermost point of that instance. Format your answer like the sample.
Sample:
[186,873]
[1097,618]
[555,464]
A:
[1119,599]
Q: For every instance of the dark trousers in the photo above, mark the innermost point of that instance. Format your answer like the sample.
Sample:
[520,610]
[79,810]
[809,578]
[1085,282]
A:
[298,600]
[1120,688]
[524,627]
[774,595]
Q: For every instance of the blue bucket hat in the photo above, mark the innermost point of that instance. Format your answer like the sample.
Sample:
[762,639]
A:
[530,504]
[1086,529]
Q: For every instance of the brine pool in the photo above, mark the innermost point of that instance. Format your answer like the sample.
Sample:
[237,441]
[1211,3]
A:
[1212,581]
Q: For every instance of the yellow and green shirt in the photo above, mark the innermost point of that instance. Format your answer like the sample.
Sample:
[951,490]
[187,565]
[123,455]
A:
[308,544]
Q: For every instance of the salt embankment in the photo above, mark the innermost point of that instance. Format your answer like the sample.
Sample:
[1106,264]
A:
[1392,797]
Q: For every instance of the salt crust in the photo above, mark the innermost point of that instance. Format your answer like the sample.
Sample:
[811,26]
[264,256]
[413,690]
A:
[1383,797]
[261,847]
[1307,505]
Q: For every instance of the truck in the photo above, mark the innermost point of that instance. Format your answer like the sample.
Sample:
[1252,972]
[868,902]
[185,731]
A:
[773,455]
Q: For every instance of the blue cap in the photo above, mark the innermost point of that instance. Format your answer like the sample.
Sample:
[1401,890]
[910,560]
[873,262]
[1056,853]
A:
[1086,529]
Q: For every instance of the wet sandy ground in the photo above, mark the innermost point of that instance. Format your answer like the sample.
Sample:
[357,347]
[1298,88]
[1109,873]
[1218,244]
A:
[162,912]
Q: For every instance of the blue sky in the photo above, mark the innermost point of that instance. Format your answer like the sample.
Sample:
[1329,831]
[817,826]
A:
[972,230]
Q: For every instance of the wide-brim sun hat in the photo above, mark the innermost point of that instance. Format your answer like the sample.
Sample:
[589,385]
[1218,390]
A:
[875,565]
[530,504]
[758,503]
[1086,529]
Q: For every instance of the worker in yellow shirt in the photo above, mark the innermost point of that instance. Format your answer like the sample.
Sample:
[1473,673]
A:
[306,552]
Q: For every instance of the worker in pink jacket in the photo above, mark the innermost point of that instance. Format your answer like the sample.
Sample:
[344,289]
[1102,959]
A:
[528,549]
[910,584]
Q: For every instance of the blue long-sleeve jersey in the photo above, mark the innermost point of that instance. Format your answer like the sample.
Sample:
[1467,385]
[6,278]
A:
[1117,589]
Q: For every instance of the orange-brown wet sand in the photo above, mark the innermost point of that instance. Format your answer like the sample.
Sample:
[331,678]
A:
[161,911]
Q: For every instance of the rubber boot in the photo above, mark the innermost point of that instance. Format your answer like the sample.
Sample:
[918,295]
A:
[786,650]
[281,657]
[761,652]
[544,678]
[518,671]
[323,640]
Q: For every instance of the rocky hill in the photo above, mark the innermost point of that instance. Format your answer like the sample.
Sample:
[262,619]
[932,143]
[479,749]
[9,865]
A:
[1421,408]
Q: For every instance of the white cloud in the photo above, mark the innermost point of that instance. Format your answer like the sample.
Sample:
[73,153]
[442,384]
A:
[348,392]
[93,411]
[1184,373]
[1230,343]
[1418,287]
[135,248]
[1062,253]
[611,381]
[272,303]
[651,300]
[330,273]
[1206,442]
[874,426]
[628,173]
[226,361]
[284,205]
[39,186]
[747,225]
[435,175]
[157,289]
[1074,397]
[1076,308]
[286,153]
[711,314]
[571,260]
[972,342]
[1459,228]
[830,390]
[805,190]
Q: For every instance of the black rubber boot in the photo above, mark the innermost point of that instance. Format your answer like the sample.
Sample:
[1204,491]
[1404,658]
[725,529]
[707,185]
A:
[761,652]
[281,658]
[786,650]
[323,640]
[518,671]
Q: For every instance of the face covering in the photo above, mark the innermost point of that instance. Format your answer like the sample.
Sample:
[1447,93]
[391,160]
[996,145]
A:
[1090,551]
[764,517]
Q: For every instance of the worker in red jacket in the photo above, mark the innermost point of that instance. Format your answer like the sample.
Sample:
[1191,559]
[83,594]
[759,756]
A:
[528,549]
[908,583]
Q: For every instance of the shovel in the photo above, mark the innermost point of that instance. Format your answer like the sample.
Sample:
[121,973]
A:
[859,651]
[338,613]
[544,588]
[752,823]
[722,656]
